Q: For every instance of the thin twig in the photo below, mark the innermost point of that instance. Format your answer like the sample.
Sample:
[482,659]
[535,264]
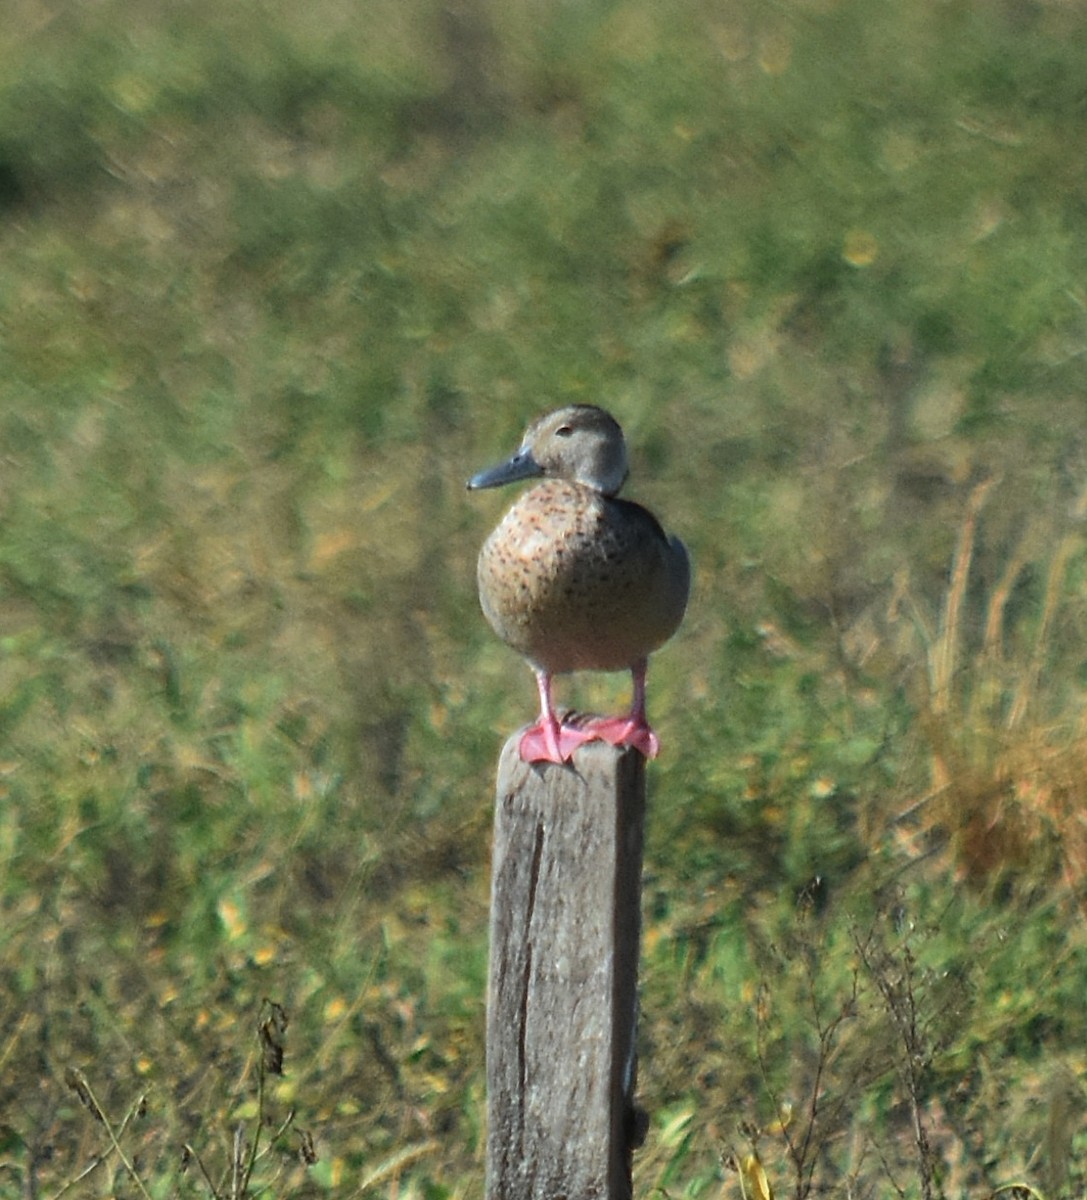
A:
[254,1145]
[236,1174]
[901,1004]
[87,1092]
[203,1170]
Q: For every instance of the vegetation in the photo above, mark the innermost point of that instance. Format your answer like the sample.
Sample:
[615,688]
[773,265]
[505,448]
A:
[275,281]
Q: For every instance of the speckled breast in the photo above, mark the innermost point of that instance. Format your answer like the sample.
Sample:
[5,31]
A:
[574,580]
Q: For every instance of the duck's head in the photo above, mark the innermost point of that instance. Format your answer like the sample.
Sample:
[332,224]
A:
[580,443]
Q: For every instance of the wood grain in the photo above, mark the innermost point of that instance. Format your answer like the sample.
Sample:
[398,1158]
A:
[562,1003]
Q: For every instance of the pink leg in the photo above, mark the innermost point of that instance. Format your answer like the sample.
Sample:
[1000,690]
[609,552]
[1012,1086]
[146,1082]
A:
[549,740]
[633,729]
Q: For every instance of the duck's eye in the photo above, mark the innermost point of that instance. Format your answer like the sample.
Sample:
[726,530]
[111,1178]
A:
[564,431]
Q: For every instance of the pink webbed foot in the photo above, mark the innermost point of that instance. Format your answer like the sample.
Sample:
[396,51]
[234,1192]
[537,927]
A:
[625,731]
[633,729]
[552,742]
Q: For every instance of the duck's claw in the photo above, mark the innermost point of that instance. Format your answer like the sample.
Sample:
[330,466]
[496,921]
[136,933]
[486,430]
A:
[552,742]
[625,731]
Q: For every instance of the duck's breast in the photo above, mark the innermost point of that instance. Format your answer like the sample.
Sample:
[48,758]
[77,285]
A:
[575,580]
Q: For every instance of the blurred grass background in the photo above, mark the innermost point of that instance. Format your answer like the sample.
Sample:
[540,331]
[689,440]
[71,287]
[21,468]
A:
[275,280]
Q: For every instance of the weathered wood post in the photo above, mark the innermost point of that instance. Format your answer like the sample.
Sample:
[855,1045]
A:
[562,1004]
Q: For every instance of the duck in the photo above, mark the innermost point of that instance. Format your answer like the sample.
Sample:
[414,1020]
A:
[574,578]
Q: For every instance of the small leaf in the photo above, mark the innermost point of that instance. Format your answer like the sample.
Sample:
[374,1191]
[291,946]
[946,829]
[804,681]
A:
[753,1178]
[307,1151]
[77,1081]
[273,1029]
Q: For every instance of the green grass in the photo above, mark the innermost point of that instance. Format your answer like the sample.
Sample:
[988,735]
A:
[274,284]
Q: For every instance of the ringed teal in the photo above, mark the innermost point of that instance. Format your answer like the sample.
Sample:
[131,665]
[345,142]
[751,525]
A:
[576,579]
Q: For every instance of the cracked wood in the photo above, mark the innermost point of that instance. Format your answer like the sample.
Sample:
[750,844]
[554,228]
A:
[562,1003]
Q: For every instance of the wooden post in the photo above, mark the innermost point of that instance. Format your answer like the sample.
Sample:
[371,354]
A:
[562,1004]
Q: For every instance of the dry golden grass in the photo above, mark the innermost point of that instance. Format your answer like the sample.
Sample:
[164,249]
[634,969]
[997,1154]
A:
[1007,754]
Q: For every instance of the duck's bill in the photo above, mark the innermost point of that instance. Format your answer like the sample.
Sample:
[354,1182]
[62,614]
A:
[521,466]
